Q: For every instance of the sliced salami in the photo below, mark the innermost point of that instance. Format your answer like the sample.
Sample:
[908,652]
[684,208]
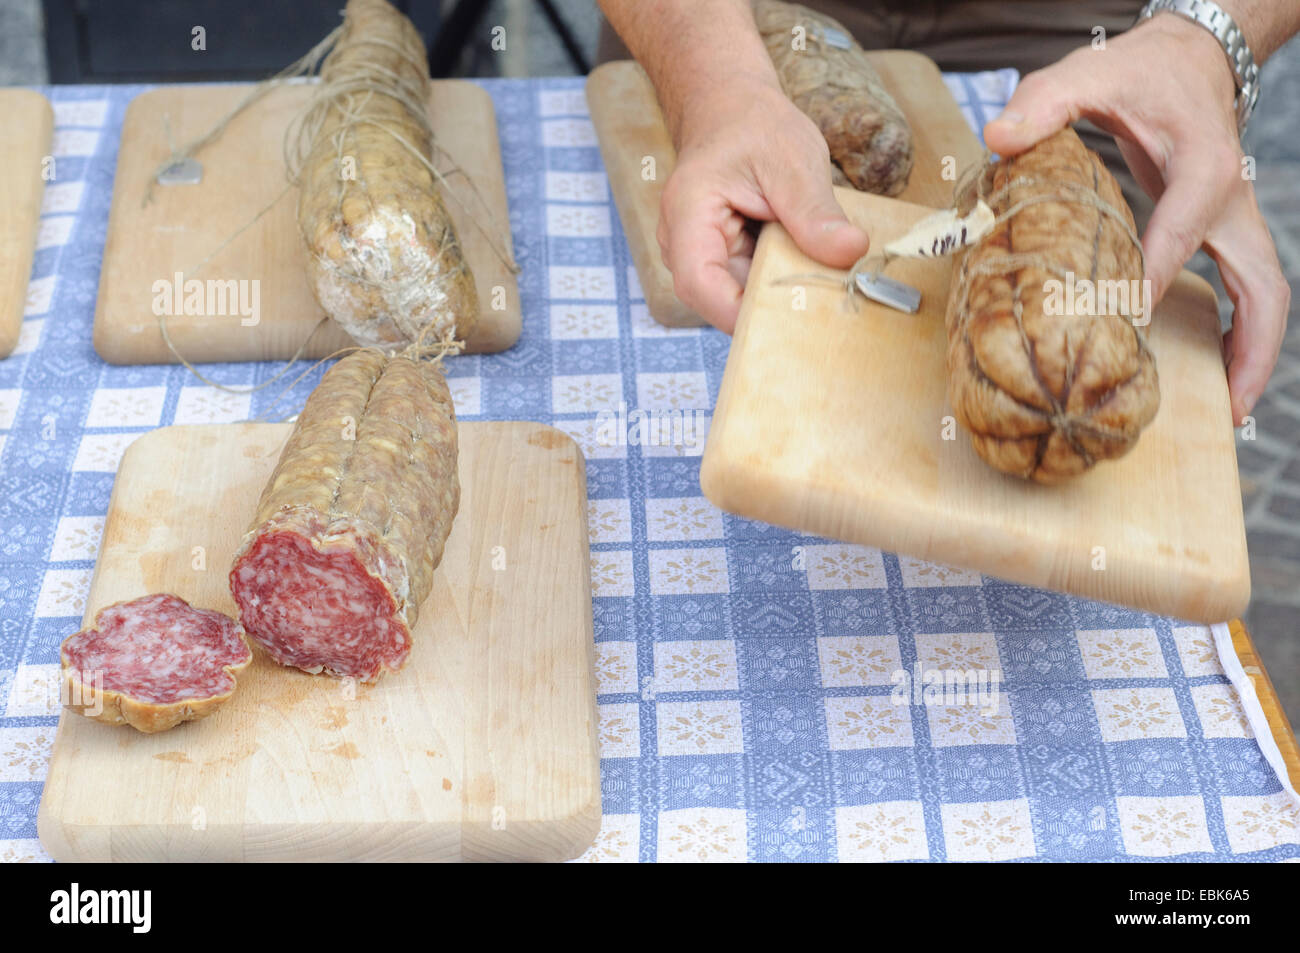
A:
[153,663]
[341,552]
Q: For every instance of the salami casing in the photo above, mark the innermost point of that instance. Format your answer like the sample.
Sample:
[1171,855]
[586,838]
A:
[153,663]
[383,258]
[1046,391]
[827,75]
[331,573]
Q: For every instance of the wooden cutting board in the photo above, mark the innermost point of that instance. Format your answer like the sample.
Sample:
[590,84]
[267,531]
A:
[482,748]
[830,421]
[630,127]
[243,173]
[24,143]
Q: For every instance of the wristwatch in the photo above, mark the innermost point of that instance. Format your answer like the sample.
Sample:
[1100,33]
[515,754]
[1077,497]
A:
[1215,19]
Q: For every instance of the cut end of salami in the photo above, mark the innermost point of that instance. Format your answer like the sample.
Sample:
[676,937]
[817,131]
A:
[153,663]
[338,558]
[311,603]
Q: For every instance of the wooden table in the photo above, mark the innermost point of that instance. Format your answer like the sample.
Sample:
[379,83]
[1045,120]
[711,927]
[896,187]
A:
[1283,733]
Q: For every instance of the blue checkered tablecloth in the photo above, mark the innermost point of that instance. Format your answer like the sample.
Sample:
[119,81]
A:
[746,674]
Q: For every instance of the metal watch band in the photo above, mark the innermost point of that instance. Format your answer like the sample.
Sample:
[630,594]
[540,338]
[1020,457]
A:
[1214,18]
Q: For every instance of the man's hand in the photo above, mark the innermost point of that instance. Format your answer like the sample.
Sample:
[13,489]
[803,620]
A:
[746,153]
[1165,91]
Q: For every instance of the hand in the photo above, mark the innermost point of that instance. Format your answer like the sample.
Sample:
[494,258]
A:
[746,152]
[1165,91]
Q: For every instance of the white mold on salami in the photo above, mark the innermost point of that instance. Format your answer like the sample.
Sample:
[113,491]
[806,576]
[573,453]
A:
[403,274]
[383,258]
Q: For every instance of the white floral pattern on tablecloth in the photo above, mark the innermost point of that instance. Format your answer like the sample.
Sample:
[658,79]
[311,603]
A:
[1121,653]
[853,661]
[874,833]
[1128,714]
[754,685]
[1163,826]
[990,830]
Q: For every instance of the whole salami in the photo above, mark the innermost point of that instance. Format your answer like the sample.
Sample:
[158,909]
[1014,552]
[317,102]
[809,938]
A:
[1046,391]
[332,571]
[153,663]
[383,258]
[828,76]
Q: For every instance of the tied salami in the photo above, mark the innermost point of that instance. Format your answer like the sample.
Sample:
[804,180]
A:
[828,76]
[340,555]
[384,260]
[1048,391]
[153,663]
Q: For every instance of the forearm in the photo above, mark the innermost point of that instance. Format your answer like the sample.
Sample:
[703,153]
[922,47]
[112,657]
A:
[1266,24]
[691,46]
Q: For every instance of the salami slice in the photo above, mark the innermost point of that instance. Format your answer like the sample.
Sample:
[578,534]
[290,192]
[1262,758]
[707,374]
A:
[340,555]
[153,663]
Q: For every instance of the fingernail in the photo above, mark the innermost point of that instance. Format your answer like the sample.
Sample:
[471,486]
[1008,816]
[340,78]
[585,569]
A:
[1248,403]
[1011,117]
[833,225]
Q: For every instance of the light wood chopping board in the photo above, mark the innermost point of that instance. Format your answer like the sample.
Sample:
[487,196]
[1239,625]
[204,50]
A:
[630,127]
[243,173]
[24,143]
[482,748]
[831,421]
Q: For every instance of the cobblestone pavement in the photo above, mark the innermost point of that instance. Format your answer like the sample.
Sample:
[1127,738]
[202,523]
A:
[1269,464]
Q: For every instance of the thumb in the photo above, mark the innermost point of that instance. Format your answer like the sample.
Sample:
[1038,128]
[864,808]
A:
[806,206]
[1044,103]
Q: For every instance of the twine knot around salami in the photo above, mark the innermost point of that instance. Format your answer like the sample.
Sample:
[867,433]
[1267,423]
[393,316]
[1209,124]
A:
[153,663]
[340,555]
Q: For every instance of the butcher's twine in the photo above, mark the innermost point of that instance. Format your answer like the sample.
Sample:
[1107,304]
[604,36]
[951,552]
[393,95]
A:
[429,353]
[1067,423]
[347,94]
[972,186]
